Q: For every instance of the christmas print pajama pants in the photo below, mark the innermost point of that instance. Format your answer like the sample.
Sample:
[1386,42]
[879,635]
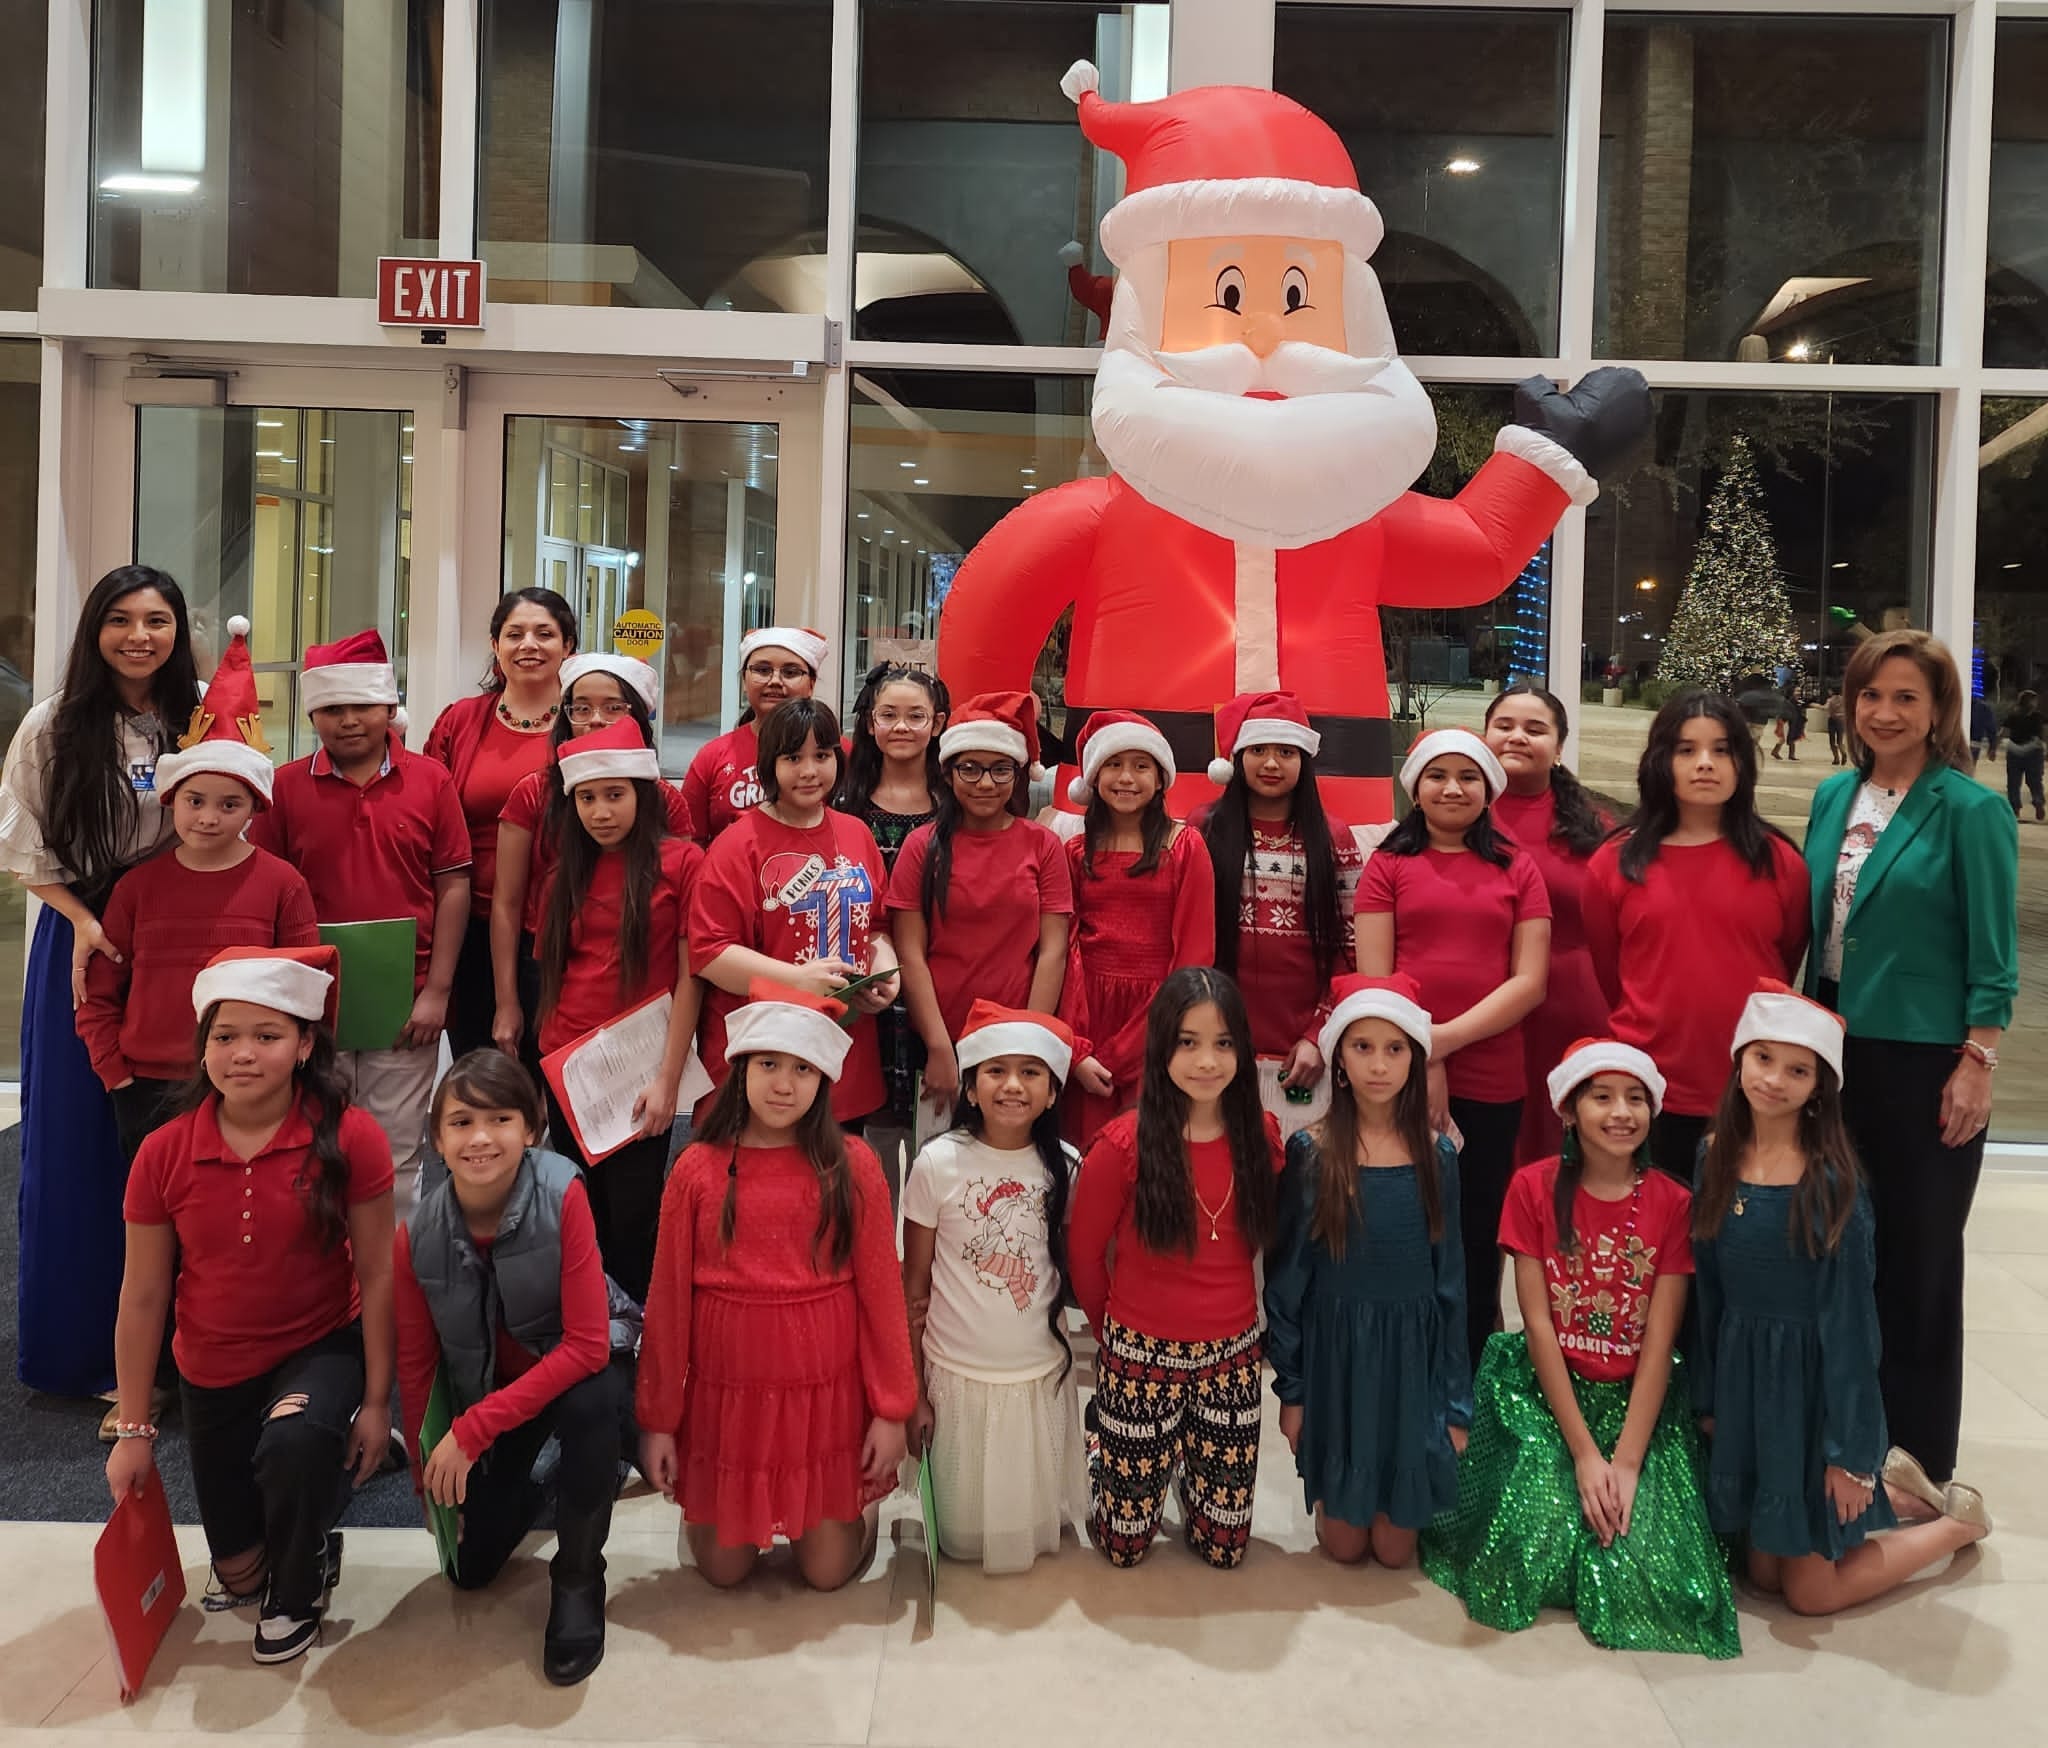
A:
[1163,1408]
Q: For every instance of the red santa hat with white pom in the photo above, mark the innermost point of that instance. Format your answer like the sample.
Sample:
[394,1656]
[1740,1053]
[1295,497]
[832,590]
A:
[1777,1014]
[304,982]
[226,732]
[1259,719]
[779,1020]
[1591,1056]
[352,670]
[1109,732]
[993,1030]
[618,749]
[1004,724]
[1396,999]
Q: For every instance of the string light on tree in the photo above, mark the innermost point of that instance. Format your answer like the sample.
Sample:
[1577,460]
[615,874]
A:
[1734,618]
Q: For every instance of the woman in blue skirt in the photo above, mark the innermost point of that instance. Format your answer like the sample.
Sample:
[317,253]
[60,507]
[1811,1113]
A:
[78,808]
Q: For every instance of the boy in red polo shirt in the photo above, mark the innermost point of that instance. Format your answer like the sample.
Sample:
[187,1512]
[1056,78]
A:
[378,833]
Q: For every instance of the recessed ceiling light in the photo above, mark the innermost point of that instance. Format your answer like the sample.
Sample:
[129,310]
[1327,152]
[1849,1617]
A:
[911,465]
[920,482]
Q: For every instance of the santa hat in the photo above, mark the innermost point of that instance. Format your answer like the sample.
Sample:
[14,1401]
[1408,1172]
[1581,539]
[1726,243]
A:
[618,749]
[226,731]
[304,982]
[783,1021]
[1002,723]
[1776,1014]
[354,671]
[993,1030]
[628,670]
[1257,719]
[1396,999]
[1591,1056]
[799,640]
[1452,740]
[1222,161]
[1109,732]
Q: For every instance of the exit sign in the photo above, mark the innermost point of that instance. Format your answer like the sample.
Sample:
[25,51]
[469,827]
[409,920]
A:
[429,294]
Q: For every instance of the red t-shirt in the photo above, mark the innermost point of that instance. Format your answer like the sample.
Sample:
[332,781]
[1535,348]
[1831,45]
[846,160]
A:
[527,1382]
[167,921]
[590,980]
[255,1281]
[723,782]
[503,757]
[984,944]
[1678,955]
[1176,1297]
[1454,924]
[1600,1294]
[369,852]
[526,808]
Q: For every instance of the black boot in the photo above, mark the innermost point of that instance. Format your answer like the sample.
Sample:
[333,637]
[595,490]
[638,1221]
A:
[574,1645]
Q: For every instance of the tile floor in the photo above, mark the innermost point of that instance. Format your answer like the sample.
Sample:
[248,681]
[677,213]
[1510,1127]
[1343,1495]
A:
[1290,1649]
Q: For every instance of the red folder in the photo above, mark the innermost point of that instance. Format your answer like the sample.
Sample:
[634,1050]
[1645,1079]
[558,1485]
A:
[140,1579]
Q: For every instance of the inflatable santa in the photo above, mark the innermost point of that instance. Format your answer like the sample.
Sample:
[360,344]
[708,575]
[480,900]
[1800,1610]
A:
[1264,435]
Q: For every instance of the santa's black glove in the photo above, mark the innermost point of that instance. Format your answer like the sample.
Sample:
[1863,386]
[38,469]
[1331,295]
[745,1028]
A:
[1598,421]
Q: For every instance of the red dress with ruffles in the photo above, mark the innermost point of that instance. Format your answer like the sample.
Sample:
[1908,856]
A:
[766,1366]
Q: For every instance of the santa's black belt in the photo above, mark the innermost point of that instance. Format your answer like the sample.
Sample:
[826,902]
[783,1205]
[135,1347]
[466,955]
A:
[1353,746]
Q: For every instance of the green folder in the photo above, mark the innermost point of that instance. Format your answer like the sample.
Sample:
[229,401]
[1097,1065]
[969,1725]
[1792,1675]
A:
[931,1533]
[444,1520]
[376,980]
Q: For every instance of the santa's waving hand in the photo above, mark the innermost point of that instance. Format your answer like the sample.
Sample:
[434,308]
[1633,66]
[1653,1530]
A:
[1264,435]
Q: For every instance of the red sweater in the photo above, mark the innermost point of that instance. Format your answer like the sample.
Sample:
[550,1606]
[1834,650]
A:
[1678,955]
[166,921]
[527,1382]
[1204,1297]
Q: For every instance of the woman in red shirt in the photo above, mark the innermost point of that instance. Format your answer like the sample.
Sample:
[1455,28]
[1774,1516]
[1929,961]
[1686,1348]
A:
[1183,1186]
[723,783]
[1693,902]
[488,743]
[269,1201]
[775,1374]
[1450,902]
[1551,817]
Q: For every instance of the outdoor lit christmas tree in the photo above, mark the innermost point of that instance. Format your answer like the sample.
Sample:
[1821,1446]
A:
[1734,618]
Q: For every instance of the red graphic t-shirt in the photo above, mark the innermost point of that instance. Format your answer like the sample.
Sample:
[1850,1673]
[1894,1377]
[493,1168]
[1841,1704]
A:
[1600,1294]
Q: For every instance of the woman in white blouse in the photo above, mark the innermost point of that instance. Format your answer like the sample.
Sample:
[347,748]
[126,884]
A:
[78,807]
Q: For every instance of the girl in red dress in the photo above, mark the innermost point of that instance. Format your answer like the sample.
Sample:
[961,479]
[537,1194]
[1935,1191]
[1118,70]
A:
[792,892]
[1547,811]
[1144,905]
[723,783]
[775,1374]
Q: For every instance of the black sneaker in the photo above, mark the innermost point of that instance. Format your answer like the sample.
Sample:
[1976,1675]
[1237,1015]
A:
[282,1637]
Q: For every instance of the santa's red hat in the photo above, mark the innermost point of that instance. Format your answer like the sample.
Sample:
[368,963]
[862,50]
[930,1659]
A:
[630,671]
[304,982]
[1002,723]
[808,646]
[1591,1056]
[1221,161]
[993,1030]
[226,732]
[354,671]
[1777,1014]
[1396,999]
[618,749]
[1109,732]
[1258,719]
[780,1020]
[1462,741]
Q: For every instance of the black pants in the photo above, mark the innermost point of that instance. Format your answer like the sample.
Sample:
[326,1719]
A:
[141,1107]
[625,1199]
[2024,768]
[274,1481]
[1485,1164]
[1920,1192]
[473,1001]
[591,1418]
[1675,1144]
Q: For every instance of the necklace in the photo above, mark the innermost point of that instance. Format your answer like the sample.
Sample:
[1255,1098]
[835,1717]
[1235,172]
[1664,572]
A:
[543,720]
[1216,1213]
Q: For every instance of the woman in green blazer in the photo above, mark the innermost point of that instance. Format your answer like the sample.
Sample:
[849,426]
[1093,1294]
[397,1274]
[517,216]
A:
[1915,870]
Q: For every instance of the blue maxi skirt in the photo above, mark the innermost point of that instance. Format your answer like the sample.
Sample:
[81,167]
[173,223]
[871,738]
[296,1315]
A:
[73,1239]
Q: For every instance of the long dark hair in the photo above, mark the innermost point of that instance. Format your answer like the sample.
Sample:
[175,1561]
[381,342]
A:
[1575,822]
[1228,831]
[555,811]
[1656,815]
[1826,1193]
[861,769]
[1164,1202]
[1482,837]
[322,1094]
[938,857]
[1059,1168]
[1336,1143]
[795,721]
[822,1143]
[89,787]
[1571,1169]
[1155,823]
[558,610]
[577,856]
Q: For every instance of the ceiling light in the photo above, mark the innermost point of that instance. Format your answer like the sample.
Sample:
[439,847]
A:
[1464,166]
[138,183]
[920,482]
[860,515]
[1840,564]
[1027,471]
[908,464]
[1799,351]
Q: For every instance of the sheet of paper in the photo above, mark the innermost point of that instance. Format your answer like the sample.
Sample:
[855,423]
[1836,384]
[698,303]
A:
[604,1075]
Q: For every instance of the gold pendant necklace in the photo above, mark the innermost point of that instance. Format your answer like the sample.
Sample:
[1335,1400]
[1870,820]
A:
[1738,1202]
[1216,1214]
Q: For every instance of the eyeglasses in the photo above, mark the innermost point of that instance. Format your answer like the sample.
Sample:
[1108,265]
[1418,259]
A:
[611,710]
[971,771]
[903,719]
[789,673]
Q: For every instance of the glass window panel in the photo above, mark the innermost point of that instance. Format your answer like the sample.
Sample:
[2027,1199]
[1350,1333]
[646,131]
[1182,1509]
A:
[2016,291]
[1770,188]
[589,505]
[278,147]
[24,102]
[617,532]
[1844,487]
[2012,657]
[317,451]
[20,437]
[973,170]
[1458,138]
[277,448]
[631,154]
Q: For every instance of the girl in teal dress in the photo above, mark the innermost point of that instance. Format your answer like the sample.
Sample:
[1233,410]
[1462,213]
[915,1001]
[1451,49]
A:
[1365,1287]
[1580,1488]
[1786,1382]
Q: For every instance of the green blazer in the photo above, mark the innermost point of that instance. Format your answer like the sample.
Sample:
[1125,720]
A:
[1931,943]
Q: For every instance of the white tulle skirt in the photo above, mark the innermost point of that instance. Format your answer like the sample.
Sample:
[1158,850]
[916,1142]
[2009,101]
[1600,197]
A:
[1009,1469]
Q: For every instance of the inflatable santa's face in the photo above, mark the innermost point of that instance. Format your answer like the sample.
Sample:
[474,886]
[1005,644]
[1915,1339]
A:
[1256,292]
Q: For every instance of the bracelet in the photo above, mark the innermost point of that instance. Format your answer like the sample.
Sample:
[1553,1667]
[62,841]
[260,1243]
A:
[1867,1482]
[1982,1052]
[134,1429]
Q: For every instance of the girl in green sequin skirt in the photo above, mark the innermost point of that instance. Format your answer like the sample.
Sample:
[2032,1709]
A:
[1580,1487]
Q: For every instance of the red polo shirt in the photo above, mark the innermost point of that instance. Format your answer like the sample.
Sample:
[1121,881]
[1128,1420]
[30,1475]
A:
[527,809]
[370,852]
[255,1282]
